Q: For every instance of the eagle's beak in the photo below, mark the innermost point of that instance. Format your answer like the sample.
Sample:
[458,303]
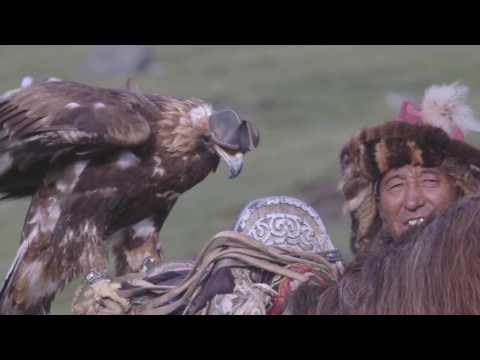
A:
[234,162]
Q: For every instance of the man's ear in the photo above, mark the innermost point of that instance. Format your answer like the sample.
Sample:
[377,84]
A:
[376,189]
[380,212]
[377,202]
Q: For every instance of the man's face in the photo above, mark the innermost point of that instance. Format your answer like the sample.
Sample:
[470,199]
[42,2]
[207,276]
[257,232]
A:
[412,195]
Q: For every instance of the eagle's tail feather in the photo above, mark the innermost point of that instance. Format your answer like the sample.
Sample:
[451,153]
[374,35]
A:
[8,278]
[7,305]
[7,283]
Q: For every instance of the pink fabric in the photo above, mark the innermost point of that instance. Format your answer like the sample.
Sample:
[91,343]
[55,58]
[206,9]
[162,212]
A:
[457,134]
[411,113]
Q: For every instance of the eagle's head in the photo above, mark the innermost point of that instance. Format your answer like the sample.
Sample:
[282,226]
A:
[200,130]
[231,138]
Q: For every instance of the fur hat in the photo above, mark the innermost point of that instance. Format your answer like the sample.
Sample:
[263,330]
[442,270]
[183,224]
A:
[429,135]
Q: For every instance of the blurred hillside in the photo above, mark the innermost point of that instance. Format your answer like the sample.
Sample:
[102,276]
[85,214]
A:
[306,100]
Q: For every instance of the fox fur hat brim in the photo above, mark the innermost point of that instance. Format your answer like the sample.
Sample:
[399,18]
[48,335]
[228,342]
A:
[375,150]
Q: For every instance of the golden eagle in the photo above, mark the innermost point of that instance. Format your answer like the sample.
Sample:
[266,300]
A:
[101,162]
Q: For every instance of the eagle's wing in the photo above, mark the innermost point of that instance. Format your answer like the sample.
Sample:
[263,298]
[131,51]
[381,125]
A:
[48,119]
[64,113]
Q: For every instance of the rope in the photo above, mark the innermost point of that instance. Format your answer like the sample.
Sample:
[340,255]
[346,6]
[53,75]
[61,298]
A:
[226,248]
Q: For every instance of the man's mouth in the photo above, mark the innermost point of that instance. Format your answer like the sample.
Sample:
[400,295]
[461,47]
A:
[415,221]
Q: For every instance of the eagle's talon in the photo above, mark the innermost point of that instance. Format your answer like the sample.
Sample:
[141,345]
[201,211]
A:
[105,289]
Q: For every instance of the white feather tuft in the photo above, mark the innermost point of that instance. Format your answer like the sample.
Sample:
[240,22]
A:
[445,106]
[26,81]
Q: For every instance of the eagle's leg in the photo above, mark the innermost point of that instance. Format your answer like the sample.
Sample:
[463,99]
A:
[135,250]
[94,266]
[139,249]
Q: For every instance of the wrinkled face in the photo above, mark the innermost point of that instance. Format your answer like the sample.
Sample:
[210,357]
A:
[411,195]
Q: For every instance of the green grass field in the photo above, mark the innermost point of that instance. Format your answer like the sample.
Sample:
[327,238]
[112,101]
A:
[306,100]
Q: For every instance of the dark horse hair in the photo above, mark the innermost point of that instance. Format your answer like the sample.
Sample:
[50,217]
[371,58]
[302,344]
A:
[434,270]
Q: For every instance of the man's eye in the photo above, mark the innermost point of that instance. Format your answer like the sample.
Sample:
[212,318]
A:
[395,186]
[430,181]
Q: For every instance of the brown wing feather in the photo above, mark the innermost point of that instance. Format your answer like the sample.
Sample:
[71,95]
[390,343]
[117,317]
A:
[60,113]
[48,118]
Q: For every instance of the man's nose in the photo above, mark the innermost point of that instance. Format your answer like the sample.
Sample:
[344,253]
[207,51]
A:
[414,198]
